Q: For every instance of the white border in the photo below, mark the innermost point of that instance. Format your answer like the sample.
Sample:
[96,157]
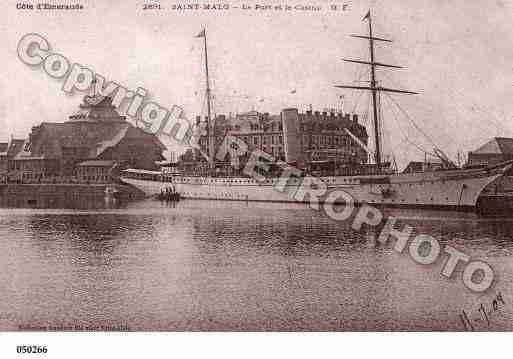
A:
[259,345]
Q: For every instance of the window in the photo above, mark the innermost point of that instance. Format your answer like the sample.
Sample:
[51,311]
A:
[280,140]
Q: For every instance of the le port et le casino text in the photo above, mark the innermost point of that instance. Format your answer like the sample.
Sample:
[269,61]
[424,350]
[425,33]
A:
[242,6]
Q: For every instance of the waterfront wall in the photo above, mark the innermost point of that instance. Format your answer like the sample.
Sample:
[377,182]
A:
[80,196]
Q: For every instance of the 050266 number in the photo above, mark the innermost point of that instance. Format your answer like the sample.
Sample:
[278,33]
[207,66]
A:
[31,349]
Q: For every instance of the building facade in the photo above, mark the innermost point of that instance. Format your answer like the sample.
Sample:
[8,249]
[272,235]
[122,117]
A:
[59,151]
[297,138]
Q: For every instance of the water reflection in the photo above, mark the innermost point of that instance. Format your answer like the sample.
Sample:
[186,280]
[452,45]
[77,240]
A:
[200,265]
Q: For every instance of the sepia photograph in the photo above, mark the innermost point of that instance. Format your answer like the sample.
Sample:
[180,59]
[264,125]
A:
[259,166]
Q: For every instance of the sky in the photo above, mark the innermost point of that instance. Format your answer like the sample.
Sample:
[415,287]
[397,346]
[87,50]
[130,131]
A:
[457,55]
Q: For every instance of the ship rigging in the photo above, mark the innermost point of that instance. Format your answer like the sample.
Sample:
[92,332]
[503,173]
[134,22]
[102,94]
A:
[374,88]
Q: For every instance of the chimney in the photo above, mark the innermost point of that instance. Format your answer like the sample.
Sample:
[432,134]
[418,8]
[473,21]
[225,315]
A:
[198,120]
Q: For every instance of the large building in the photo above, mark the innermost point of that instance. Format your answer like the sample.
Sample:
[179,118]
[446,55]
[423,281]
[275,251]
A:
[7,153]
[297,138]
[85,148]
[498,149]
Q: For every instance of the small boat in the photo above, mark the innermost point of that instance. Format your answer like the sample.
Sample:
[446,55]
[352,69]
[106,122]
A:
[168,194]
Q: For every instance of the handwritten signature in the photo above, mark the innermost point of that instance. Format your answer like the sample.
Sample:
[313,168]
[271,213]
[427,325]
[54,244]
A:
[486,313]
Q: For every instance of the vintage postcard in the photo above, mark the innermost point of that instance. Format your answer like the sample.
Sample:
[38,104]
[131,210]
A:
[269,166]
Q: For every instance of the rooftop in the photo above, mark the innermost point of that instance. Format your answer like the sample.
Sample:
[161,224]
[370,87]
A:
[497,145]
[97,108]
[97,163]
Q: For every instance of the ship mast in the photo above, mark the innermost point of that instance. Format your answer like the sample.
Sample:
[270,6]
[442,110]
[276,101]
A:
[210,129]
[374,88]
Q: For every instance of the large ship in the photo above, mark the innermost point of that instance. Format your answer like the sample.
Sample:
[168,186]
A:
[375,183]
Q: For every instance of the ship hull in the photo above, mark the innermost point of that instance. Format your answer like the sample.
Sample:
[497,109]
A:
[458,189]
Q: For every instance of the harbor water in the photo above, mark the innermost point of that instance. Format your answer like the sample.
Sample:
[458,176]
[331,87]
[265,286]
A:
[229,266]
